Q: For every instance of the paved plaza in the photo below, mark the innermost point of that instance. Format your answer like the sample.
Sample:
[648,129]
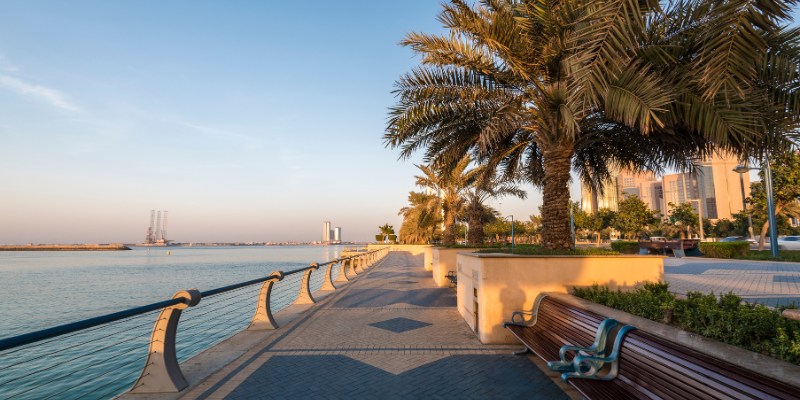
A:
[390,334]
[763,282]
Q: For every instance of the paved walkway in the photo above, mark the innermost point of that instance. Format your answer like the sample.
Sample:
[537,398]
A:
[769,283]
[390,334]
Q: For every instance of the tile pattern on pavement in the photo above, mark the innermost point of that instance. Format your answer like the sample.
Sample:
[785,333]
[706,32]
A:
[392,333]
[769,283]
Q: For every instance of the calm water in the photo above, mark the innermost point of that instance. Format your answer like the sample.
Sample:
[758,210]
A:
[43,289]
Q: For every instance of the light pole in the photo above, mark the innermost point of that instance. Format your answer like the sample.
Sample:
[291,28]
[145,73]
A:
[741,169]
[512,231]
[773,224]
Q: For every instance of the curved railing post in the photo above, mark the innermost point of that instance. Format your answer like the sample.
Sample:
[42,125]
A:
[263,319]
[359,268]
[327,282]
[305,296]
[162,373]
[343,278]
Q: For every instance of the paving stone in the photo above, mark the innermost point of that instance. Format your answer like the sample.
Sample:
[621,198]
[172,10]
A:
[391,334]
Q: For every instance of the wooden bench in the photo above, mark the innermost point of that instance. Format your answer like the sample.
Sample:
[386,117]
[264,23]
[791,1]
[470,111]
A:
[649,367]
[452,276]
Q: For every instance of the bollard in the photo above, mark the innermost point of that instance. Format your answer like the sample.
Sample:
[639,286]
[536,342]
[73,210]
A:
[327,282]
[162,373]
[305,296]
[359,265]
[263,319]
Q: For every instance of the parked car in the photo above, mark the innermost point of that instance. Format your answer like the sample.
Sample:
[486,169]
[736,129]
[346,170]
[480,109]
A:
[789,243]
[738,239]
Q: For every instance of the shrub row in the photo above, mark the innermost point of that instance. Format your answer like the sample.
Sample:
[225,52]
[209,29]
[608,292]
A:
[725,249]
[535,250]
[625,247]
[725,318]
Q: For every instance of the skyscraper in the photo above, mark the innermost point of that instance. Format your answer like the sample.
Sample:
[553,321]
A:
[326,231]
[337,234]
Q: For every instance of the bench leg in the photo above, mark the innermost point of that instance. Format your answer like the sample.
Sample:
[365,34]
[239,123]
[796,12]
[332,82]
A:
[522,352]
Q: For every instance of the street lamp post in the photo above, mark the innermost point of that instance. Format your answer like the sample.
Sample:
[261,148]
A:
[773,224]
[741,169]
[512,231]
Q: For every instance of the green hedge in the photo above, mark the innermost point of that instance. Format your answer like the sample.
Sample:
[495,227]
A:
[750,326]
[725,249]
[625,247]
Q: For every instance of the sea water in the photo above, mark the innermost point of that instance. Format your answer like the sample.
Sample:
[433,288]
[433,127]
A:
[39,290]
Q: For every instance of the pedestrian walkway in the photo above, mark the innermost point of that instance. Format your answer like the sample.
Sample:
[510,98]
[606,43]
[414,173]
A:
[392,333]
[764,282]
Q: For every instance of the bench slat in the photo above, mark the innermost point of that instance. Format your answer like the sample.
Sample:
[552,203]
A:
[650,367]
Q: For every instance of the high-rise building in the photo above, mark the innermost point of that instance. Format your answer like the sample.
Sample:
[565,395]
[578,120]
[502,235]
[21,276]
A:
[713,185]
[337,234]
[326,231]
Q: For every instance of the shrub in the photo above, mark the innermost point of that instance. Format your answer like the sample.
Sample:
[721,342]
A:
[725,318]
[625,247]
[725,250]
[379,238]
[541,251]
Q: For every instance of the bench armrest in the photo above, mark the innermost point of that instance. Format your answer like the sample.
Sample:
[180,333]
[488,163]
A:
[587,366]
[518,318]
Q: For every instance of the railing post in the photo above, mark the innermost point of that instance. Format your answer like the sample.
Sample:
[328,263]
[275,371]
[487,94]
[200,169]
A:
[305,296]
[359,266]
[162,373]
[327,282]
[263,319]
[342,278]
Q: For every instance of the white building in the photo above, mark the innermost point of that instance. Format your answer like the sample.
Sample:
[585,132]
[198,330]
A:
[326,231]
[337,234]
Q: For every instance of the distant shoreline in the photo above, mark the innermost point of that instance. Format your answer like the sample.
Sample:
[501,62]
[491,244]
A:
[64,247]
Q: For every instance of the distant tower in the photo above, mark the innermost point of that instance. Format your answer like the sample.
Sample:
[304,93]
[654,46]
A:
[149,238]
[326,231]
[164,229]
[158,226]
[337,234]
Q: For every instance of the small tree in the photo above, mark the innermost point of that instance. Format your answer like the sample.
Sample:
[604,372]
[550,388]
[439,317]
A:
[684,215]
[386,230]
[786,188]
[633,216]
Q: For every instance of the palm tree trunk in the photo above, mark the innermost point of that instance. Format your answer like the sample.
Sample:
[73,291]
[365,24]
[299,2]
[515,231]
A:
[449,237]
[475,212]
[555,207]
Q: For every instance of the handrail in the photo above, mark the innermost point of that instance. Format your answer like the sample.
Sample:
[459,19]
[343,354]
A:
[162,372]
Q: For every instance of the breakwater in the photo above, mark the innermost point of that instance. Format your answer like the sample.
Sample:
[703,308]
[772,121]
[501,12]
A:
[64,247]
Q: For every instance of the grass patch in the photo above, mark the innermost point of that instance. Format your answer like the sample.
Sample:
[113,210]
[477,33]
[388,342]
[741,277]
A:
[725,318]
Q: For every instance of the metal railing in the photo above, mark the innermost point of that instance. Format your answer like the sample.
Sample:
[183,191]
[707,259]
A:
[99,357]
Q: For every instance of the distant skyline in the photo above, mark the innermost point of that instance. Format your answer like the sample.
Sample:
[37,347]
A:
[248,121]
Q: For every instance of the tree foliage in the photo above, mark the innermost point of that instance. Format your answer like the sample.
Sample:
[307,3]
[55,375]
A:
[633,216]
[537,89]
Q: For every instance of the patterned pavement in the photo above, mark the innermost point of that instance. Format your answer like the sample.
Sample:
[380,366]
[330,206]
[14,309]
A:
[769,283]
[392,334]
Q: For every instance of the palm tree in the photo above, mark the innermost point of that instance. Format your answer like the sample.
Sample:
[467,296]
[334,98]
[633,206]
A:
[540,88]
[421,218]
[477,212]
[451,185]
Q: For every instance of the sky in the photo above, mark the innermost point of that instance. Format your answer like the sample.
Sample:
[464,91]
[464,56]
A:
[247,121]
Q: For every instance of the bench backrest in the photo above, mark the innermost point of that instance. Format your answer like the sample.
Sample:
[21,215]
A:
[559,324]
[667,370]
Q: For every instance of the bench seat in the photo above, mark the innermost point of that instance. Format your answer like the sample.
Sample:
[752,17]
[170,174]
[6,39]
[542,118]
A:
[650,367]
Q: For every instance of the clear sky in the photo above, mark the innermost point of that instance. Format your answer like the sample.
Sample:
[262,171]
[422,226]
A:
[248,121]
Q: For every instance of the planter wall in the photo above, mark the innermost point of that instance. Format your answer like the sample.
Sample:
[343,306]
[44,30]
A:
[428,259]
[443,260]
[495,285]
[414,249]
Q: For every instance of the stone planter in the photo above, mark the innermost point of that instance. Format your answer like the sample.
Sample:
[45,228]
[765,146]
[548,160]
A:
[443,260]
[492,286]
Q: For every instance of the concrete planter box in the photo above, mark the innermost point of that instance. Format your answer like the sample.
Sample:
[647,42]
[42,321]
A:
[443,260]
[428,259]
[492,286]
[414,249]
